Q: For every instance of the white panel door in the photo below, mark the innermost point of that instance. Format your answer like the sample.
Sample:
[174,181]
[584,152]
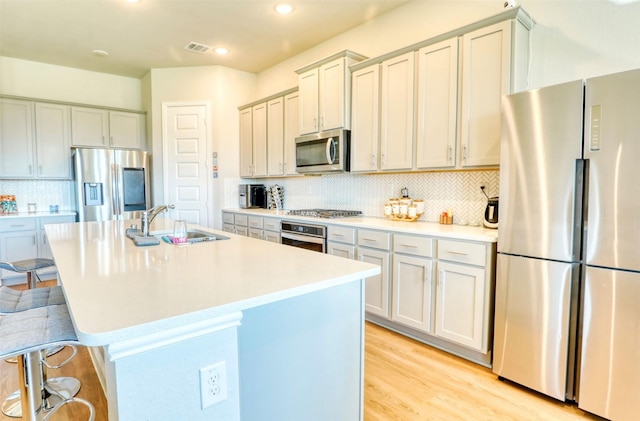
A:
[275,136]
[365,116]
[412,291]
[186,162]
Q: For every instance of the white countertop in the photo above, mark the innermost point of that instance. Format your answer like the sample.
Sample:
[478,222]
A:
[117,291]
[460,232]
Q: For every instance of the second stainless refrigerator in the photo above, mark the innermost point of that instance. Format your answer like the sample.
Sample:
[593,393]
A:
[111,183]
[568,273]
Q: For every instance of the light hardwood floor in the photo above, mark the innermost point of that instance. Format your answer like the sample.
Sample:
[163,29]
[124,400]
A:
[404,380]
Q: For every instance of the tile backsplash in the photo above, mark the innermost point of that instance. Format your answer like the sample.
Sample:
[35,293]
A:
[455,190]
[41,192]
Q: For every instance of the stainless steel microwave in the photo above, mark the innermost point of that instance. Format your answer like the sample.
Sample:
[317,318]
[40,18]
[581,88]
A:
[324,152]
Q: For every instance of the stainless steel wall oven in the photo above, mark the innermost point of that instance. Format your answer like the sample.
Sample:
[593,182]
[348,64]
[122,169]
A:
[303,235]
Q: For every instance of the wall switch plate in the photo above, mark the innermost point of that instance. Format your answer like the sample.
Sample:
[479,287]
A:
[213,384]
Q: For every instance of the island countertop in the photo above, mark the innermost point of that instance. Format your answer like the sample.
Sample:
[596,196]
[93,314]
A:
[117,291]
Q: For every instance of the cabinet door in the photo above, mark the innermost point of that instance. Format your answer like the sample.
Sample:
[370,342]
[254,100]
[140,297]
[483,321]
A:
[271,236]
[485,78]
[365,134]
[246,143]
[376,292]
[412,291]
[16,139]
[437,105]
[342,250]
[18,245]
[291,131]
[396,113]
[275,136]
[460,305]
[89,127]
[259,124]
[332,95]
[126,130]
[228,228]
[256,233]
[53,140]
[308,92]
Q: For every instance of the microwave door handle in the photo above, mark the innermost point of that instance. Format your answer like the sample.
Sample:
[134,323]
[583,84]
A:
[331,150]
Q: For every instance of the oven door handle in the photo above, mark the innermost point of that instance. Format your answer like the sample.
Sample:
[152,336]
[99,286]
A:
[303,238]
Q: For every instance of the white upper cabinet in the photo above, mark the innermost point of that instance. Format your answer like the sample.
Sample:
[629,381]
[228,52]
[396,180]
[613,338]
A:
[275,136]
[53,140]
[396,113]
[365,112]
[437,105]
[486,77]
[16,139]
[246,143]
[94,127]
[325,89]
[259,123]
[291,110]
[34,140]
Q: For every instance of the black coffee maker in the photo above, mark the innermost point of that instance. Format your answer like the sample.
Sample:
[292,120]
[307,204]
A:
[491,212]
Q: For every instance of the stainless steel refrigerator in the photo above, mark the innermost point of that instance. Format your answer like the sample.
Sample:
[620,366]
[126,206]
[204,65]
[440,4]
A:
[111,183]
[567,315]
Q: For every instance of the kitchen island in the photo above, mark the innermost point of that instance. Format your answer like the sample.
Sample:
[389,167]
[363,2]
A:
[283,326]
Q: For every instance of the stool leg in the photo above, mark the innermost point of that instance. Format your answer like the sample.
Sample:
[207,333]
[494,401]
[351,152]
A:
[31,280]
[33,388]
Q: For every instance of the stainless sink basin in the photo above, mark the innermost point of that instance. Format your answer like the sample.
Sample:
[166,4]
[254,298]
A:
[193,236]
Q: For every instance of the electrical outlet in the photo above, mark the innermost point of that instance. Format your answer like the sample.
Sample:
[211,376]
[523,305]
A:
[213,384]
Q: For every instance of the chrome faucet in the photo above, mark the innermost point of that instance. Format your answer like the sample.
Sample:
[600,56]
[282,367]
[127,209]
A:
[148,216]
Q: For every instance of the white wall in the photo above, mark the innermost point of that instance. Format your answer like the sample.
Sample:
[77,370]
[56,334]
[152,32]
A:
[224,90]
[45,81]
[571,39]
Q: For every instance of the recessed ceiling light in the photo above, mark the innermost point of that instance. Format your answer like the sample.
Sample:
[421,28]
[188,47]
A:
[133,1]
[221,51]
[284,8]
[100,53]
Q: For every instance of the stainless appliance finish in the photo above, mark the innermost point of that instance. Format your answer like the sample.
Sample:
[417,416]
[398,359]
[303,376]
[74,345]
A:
[252,196]
[302,235]
[324,152]
[568,276]
[111,183]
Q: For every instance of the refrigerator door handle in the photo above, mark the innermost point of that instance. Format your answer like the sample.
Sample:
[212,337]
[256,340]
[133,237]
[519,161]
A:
[579,221]
[114,191]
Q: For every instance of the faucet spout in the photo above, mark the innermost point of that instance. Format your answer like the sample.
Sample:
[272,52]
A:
[148,216]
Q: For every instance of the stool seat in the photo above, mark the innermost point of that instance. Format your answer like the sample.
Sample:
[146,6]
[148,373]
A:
[26,334]
[28,265]
[12,301]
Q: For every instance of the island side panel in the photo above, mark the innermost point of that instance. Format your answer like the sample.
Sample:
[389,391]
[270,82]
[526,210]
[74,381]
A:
[303,358]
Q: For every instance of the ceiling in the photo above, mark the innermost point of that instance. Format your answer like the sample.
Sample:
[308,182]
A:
[153,33]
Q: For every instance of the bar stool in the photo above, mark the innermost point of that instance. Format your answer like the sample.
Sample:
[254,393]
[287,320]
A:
[27,334]
[12,301]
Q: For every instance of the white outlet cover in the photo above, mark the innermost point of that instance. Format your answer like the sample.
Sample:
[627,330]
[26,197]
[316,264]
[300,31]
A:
[213,384]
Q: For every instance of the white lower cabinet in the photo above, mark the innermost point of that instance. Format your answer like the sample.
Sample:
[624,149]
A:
[460,305]
[272,230]
[343,250]
[376,299]
[412,291]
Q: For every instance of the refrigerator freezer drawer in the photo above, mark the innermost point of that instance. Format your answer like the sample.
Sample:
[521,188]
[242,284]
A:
[532,319]
[610,368]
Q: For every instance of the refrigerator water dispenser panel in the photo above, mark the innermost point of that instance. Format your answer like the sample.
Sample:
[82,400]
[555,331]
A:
[93,194]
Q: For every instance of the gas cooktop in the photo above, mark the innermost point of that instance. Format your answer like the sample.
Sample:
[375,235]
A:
[325,213]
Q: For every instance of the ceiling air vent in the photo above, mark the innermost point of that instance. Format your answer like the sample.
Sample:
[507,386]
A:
[196,47]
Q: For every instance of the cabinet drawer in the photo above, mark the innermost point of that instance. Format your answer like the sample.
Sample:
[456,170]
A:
[255,222]
[227,218]
[256,233]
[409,244]
[374,239]
[271,224]
[241,220]
[462,252]
[342,234]
[17,224]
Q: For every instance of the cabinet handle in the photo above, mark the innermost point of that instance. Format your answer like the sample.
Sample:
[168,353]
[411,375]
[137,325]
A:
[457,252]
[373,158]
[337,235]
[450,153]
[315,123]
[369,239]
[18,225]
[409,245]
[40,169]
[284,167]
[464,153]
[322,121]
[30,169]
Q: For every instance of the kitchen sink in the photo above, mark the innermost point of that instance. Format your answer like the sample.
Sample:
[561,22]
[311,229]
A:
[193,236]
